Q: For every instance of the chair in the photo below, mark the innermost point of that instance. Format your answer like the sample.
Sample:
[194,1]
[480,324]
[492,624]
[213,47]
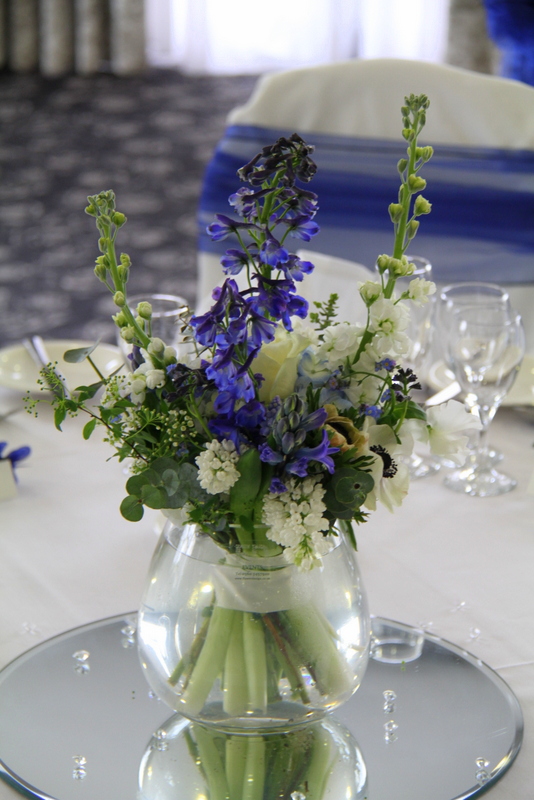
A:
[481,179]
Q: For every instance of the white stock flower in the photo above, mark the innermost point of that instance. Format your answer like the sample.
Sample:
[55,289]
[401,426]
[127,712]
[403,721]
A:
[295,521]
[419,290]
[217,471]
[388,321]
[340,342]
[370,291]
[447,425]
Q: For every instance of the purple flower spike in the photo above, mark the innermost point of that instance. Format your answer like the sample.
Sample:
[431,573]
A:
[233,262]
[321,453]
[224,226]
[277,487]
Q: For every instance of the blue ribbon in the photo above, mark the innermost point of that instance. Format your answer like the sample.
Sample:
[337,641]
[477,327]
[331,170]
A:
[482,221]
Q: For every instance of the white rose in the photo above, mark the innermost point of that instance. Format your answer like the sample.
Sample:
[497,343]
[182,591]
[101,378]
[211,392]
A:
[278,360]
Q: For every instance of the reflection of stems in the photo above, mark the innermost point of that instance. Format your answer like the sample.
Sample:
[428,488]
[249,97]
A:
[212,764]
[254,777]
[236,755]
[322,761]
[210,660]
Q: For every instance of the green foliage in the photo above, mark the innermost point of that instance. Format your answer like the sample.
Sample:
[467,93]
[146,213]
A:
[326,313]
[346,491]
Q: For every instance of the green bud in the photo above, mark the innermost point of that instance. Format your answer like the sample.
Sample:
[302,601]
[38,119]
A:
[370,291]
[118,219]
[119,299]
[125,260]
[120,319]
[428,152]
[156,347]
[401,166]
[382,262]
[105,219]
[408,134]
[395,211]
[91,210]
[100,272]
[103,244]
[144,309]
[405,111]
[169,356]
[124,273]
[422,206]
[416,184]
[400,267]
[411,228]
[128,333]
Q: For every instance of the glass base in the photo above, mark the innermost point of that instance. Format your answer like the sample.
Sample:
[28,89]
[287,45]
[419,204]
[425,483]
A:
[422,466]
[487,482]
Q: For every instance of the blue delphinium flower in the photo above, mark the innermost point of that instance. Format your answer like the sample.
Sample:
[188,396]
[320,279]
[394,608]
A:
[15,456]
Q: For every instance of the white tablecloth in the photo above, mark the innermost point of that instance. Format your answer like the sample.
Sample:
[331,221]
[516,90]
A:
[459,566]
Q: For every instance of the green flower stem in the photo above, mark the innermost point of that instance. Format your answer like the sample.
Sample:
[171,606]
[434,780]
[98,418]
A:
[256,661]
[212,764]
[286,659]
[187,663]
[210,661]
[92,363]
[235,760]
[236,694]
[254,777]
[317,649]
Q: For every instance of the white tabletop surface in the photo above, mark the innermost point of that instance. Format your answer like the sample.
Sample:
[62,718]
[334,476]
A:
[461,567]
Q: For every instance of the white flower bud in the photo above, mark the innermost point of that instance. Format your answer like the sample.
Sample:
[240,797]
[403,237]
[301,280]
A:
[370,291]
[144,310]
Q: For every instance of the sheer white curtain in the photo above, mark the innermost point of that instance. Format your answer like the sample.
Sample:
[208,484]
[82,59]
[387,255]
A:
[249,37]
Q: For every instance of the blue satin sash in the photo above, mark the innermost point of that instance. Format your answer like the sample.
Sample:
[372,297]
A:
[482,221]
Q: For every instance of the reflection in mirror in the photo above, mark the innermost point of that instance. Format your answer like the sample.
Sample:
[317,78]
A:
[186,760]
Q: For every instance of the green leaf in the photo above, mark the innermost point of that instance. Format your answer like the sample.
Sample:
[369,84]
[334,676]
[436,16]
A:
[170,481]
[135,484]
[153,497]
[86,392]
[415,412]
[79,354]
[132,509]
[89,428]
[59,416]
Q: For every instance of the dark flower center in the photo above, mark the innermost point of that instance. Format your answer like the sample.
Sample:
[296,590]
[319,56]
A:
[389,468]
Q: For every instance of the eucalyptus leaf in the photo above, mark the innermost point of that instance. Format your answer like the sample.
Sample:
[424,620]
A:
[153,497]
[132,509]
[79,354]
[170,481]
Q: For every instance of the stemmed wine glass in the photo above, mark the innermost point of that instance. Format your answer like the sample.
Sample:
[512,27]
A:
[461,295]
[486,344]
[420,335]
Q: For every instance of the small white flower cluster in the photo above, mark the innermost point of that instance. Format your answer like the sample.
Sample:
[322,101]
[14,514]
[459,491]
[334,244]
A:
[419,290]
[295,520]
[217,470]
[148,376]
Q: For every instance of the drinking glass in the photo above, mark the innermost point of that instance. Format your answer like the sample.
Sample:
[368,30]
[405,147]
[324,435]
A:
[486,345]
[420,334]
[169,313]
[451,299]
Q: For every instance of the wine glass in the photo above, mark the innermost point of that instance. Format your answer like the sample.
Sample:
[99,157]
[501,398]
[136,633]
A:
[486,345]
[169,314]
[419,332]
[457,296]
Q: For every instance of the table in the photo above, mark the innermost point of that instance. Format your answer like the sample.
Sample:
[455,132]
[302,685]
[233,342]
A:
[459,566]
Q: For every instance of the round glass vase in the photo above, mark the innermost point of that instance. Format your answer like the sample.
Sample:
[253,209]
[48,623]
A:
[244,641]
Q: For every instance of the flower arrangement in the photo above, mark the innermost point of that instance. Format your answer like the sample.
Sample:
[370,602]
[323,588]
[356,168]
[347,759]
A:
[275,433]
[278,428]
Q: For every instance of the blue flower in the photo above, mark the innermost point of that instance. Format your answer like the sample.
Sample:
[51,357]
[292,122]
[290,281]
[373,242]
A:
[303,228]
[321,453]
[233,262]
[224,226]
[372,411]
[277,487]
[273,253]
[295,269]
[250,415]
[387,363]
[15,455]
[269,456]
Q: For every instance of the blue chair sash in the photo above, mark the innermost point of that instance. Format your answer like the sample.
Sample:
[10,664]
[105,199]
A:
[482,221]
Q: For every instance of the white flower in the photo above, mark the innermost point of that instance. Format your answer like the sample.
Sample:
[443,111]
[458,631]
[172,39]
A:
[419,290]
[447,425]
[277,361]
[389,320]
[217,472]
[390,474]
[370,291]
[295,520]
[340,342]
